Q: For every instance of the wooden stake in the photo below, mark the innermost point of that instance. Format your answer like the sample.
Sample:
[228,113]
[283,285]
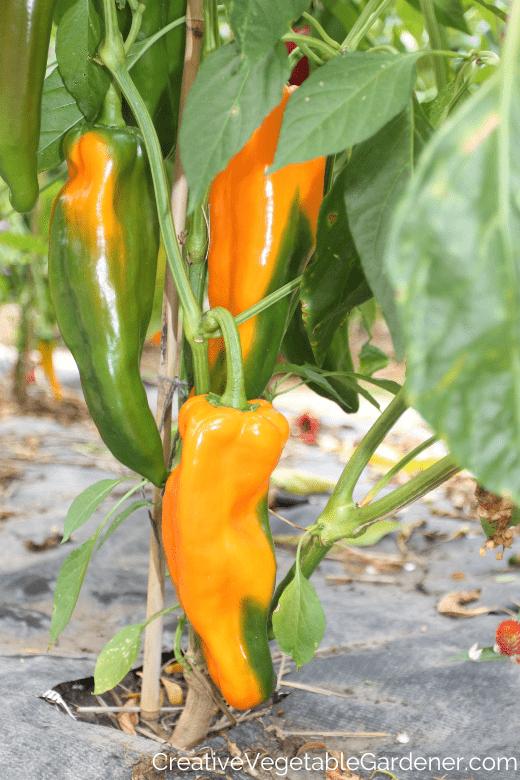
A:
[168,369]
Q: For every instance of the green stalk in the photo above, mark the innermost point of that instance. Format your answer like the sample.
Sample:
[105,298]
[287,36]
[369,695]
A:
[235,393]
[383,482]
[113,57]
[137,9]
[436,42]
[359,519]
[314,43]
[370,14]
[343,492]
[211,30]
[210,326]
[320,30]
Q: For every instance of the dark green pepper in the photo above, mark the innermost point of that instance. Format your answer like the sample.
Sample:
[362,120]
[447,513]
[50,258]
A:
[24,43]
[104,240]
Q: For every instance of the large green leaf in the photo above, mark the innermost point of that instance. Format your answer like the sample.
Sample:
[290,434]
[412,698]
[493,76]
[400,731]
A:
[60,113]
[77,39]
[450,13]
[259,24]
[298,620]
[344,102]
[455,261]
[333,283]
[374,180]
[229,99]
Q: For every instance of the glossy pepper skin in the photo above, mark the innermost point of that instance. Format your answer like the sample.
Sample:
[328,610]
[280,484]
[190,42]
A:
[262,228]
[102,262]
[217,540]
[25,31]
[157,74]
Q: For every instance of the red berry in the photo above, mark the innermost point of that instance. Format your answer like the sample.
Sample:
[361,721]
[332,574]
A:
[508,637]
[308,427]
[301,70]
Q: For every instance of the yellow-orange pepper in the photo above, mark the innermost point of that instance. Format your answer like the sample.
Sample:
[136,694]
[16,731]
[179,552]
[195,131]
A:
[217,540]
[262,229]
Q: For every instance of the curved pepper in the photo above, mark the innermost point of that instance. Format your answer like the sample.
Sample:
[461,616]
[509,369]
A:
[24,44]
[263,226]
[217,540]
[102,262]
[157,74]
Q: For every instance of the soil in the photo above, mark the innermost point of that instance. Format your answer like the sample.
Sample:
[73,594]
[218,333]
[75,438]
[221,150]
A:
[390,677]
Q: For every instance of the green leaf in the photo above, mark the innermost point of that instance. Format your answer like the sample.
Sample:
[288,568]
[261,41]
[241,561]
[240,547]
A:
[371,359]
[298,620]
[60,113]
[449,13]
[318,377]
[121,517]
[454,260]
[68,585]
[24,242]
[259,24]
[344,102]
[374,180]
[117,657]
[229,99]
[77,40]
[373,534]
[84,505]
[333,283]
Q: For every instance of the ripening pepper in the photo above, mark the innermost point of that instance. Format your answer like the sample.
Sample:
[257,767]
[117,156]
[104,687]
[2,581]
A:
[104,241]
[262,229]
[217,540]
[46,350]
[24,42]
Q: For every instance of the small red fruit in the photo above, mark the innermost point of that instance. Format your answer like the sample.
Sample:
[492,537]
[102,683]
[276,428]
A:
[508,637]
[301,70]
[308,427]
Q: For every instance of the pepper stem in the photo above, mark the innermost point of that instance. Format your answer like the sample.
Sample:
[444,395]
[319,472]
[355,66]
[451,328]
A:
[235,393]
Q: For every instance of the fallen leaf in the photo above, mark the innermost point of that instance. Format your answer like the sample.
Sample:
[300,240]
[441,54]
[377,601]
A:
[458,575]
[128,721]
[173,691]
[53,540]
[173,668]
[452,604]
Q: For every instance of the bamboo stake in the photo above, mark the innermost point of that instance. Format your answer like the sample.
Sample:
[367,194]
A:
[168,368]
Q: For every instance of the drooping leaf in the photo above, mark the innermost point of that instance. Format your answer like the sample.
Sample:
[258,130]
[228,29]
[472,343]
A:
[60,113]
[343,103]
[84,505]
[229,99]
[374,180]
[371,359]
[454,260]
[373,534]
[68,585]
[298,620]
[77,39]
[333,283]
[117,657]
[259,24]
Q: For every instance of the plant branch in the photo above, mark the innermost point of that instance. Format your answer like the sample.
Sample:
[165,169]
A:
[436,42]
[370,14]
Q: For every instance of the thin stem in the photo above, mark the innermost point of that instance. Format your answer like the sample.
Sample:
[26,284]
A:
[351,473]
[149,42]
[211,30]
[370,14]
[191,311]
[235,394]
[210,326]
[137,17]
[436,42]
[396,468]
[320,30]
[314,43]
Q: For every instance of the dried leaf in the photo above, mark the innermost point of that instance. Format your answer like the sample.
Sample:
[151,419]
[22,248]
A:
[173,691]
[128,721]
[452,604]
[173,668]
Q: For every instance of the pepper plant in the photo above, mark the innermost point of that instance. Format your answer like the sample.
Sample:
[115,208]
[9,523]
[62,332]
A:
[389,174]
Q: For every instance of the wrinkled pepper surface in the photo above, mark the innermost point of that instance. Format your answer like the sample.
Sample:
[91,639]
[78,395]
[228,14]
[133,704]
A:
[217,540]
[102,263]
[25,31]
[263,226]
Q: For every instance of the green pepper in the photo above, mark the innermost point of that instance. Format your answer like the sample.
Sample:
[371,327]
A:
[24,43]
[104,240]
